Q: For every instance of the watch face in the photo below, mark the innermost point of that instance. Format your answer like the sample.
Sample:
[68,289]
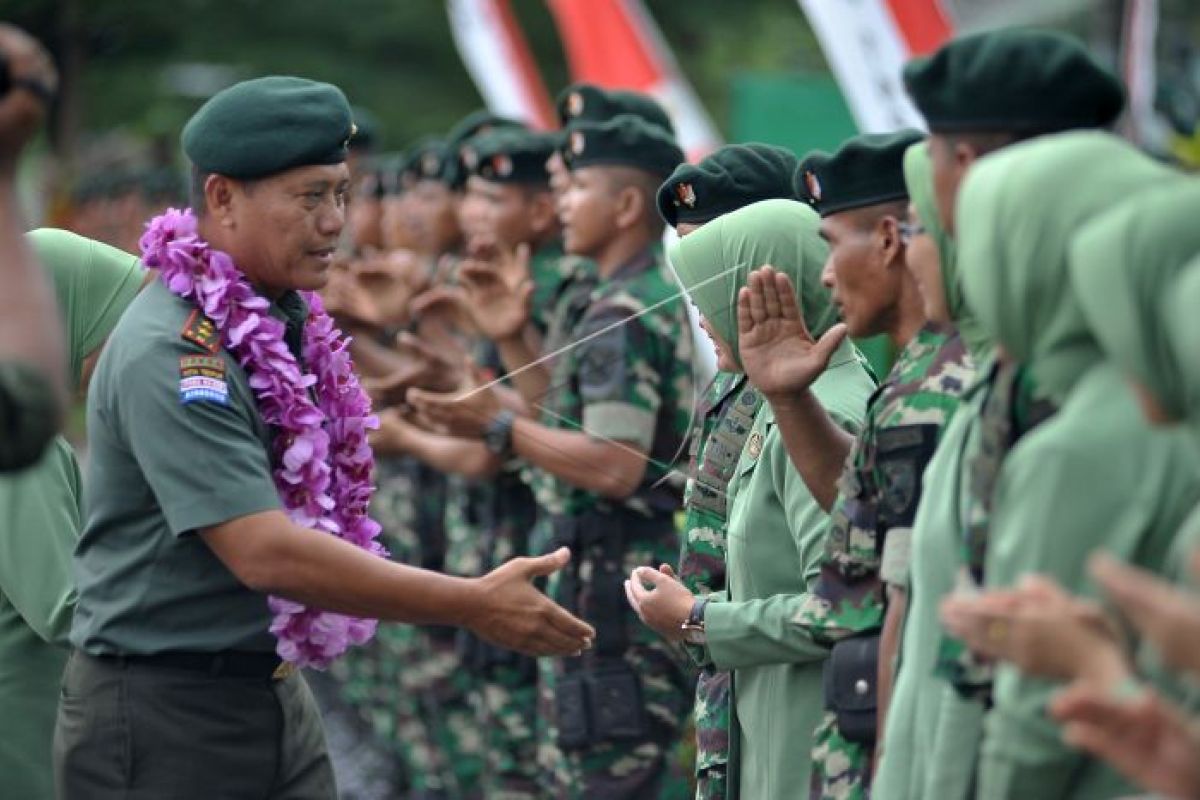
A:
[693,635]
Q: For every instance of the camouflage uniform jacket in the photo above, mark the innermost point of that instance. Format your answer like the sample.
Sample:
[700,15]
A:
[872,518]
[702,559]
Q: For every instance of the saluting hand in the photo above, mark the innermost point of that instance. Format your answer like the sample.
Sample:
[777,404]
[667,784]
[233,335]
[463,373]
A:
[515,615]
[778,353]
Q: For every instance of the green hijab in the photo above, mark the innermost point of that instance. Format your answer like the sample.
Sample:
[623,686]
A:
[918,175]
[714,262]
[1179,309]
[1121,262]
[94,283]
[1018,211]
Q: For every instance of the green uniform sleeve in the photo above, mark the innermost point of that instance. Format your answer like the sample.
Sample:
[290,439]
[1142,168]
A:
[768,631]
[620,379]
[41,521]
[29,415]
[1037,528]
[204,459]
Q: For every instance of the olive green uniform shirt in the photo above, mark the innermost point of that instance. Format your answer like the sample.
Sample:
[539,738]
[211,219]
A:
[169,455]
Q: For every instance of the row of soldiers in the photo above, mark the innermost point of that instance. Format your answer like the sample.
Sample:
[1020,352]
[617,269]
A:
[513,304]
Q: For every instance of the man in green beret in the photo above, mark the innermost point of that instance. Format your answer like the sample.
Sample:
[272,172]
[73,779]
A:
[870,484]
[727,179]
[174,688]
[978,94]
[32,357]
[601,436]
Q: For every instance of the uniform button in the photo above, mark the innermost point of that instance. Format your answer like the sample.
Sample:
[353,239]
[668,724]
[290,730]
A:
[861,686]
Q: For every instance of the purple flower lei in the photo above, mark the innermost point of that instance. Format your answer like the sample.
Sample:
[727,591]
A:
[323,464]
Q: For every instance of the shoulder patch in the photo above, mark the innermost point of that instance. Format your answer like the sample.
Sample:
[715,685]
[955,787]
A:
[200,330]
[202,380]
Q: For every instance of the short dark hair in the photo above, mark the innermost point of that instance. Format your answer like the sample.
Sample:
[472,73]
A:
[196,197]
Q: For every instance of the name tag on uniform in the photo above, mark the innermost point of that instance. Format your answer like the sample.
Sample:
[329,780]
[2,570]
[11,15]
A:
[202,380]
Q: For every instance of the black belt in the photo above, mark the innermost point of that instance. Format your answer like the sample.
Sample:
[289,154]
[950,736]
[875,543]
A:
[223,664]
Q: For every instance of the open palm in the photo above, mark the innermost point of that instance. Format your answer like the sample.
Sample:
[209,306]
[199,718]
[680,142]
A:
[777,352]
[498,290]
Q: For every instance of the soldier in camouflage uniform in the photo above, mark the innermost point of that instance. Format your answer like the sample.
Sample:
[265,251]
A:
[725,180]
[860,193]
[611,425]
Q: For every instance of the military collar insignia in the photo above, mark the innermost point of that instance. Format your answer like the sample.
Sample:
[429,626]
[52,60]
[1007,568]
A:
[754,445]
[574,104]
[813,184]
[685,193]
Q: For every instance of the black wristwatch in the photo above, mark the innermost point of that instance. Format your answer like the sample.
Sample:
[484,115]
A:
[693,626]
[497,436]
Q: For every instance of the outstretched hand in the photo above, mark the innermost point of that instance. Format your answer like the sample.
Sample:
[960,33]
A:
[515,615]
[777,352]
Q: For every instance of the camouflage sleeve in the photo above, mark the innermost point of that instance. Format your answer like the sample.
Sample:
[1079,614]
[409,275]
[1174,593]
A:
[621,379]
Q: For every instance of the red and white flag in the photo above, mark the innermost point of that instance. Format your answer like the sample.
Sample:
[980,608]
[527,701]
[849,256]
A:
[494,49]
[616,44]
[867,42]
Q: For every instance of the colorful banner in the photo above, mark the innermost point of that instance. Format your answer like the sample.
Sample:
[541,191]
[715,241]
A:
[492,46]
[867,42]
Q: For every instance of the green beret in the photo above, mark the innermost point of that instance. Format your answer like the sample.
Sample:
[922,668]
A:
[589,103]
[865,171]
[733,176]
[1013,80]
[430,160]
[268,125]
[466,129]
[509,156]
[623,141]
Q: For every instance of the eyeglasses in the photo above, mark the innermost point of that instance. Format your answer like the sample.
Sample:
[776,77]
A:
[910,230]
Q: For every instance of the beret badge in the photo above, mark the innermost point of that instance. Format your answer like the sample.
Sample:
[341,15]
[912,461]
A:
[685,194]
[813,184]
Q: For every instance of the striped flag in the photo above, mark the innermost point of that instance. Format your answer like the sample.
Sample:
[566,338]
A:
[492,46]
[867,42]
[617,45]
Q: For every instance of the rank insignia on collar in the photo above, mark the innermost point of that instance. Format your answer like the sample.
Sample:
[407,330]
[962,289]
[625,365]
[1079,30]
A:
[686,194]
[755,445]
[200,330]
[813,185]
[574,104]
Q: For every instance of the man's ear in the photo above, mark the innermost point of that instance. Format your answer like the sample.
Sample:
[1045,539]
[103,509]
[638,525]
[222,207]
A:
[630,207]
[219,198]
[887,241]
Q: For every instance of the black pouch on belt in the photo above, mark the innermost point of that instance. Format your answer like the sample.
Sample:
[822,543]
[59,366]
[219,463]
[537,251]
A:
[851,690]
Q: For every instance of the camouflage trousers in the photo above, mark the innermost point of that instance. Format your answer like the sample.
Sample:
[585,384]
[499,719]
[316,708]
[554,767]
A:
[711,713]
[633,769]
[507,711]
[841,769]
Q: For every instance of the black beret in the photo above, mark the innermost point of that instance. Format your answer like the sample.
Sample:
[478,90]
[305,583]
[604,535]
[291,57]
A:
[589,103]
[509,156]
[733,176]
[467,128]
[267,125]
[623,141]
[865,171]
[1018,80]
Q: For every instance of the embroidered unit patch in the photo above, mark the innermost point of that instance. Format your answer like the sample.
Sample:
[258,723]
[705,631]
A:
[202,380]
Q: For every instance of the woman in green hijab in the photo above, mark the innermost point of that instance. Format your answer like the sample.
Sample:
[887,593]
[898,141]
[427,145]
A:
[42,515]
[775,529]
[1095,475]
